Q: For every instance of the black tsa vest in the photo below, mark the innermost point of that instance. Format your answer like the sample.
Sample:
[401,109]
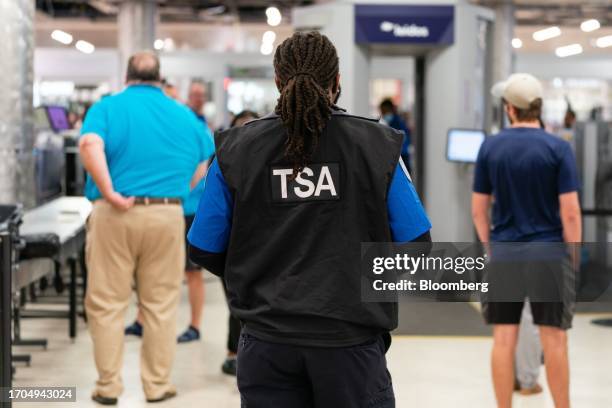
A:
[293,260]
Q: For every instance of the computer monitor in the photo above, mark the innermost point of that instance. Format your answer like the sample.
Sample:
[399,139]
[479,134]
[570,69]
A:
[58,117]
[462,145]
[49,164]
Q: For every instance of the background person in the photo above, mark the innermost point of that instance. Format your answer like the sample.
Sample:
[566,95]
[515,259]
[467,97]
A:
[139,172]
[170,90]
[193,273]
[289,263]
[196,98]
[528,356]
[532,175]
[391,116]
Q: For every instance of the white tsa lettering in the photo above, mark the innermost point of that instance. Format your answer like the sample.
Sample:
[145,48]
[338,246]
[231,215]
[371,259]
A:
[325,182]
[283,173]
[315,182]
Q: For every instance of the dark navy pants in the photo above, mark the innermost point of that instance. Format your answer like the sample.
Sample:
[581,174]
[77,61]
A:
[272,375]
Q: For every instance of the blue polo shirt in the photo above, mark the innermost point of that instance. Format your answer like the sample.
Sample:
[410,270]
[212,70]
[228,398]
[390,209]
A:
[526,170]
[190,205]
[152,143]
[211,228]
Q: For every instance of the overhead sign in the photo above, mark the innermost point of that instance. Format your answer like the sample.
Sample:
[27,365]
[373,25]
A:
[404,24]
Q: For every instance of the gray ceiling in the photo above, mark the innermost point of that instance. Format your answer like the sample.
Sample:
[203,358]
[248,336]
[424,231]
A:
[556,12]
[527,12]
[172,10]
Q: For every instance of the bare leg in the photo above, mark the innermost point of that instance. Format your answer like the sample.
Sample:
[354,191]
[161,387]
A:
[139,316]
[195,284]
[554,343]
[502,362]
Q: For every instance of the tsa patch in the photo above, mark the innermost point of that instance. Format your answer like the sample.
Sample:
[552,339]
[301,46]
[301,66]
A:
[316,182]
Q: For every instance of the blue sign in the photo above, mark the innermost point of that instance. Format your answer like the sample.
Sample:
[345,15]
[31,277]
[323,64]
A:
[402,24]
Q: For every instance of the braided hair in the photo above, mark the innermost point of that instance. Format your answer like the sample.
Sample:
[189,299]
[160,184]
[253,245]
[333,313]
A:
[306,67]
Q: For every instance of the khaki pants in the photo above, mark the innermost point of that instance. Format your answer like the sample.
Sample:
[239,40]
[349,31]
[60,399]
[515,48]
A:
[145,246]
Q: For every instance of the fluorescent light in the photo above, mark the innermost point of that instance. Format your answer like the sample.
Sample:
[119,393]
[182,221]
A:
[547,33]
[274,16]
[269,37]
[158,44]
[517,43]
[85,47]
[61,36]
[603,42]
[590,25]
[266,48]
[568,50]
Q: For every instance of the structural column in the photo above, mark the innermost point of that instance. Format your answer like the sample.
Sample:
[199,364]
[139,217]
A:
[16,113]
[137,23]
[503,57]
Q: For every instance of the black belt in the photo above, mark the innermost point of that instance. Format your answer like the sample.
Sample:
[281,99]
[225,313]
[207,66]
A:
[156,200]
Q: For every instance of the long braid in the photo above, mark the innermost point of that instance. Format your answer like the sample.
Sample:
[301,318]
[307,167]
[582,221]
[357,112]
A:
[306,66]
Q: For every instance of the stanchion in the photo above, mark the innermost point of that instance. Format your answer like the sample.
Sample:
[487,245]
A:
[5,315]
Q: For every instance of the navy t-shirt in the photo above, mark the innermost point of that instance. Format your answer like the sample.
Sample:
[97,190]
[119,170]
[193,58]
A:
[525,169]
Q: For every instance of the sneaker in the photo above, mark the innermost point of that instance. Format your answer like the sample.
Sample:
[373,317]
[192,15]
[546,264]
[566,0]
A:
[191,334]
[135,329]
[229,366]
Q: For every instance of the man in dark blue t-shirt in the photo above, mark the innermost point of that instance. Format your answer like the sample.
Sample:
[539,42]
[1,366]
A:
[532,175]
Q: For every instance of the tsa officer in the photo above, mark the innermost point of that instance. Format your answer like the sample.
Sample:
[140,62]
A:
[287,203]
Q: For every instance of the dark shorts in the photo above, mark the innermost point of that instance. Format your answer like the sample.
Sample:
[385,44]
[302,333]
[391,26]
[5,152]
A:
[189,265]
[550,285]
[272,375]
[556,314]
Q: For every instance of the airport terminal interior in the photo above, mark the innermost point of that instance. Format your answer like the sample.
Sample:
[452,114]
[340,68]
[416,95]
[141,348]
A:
[428,68]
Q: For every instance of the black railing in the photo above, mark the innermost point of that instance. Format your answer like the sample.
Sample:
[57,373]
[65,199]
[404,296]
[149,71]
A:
[6,269]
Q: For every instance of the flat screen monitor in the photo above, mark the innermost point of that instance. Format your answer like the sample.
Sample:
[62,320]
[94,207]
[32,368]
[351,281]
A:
[58,117]
[462,145]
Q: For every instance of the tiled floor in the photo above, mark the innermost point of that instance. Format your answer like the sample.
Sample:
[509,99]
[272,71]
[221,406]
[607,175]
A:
[427,371]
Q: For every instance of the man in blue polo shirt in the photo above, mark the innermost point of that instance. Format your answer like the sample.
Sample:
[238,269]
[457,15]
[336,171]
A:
[141,150]
[533,177]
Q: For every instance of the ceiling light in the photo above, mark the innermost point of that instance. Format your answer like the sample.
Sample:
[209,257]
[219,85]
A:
[85,47]
[169,44]
[266,48]
[517,43]
[61,36]
[274,16]
[589,25]
[568,50]
[269,37]
[547,33]
[603,42]
[158,44]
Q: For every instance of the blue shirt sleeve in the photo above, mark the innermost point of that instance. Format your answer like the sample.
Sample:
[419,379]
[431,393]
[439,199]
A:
[407,217]
[482,181]
[96,121]
[211,227]
[567,179]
